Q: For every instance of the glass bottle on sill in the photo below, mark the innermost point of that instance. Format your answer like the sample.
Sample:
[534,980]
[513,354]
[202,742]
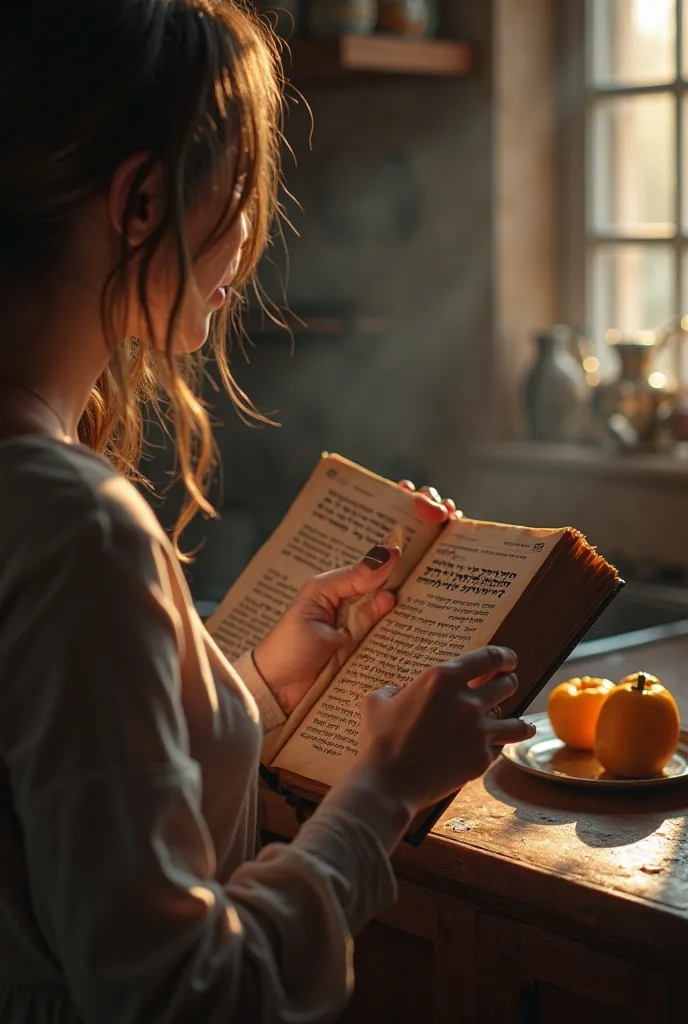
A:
[637,396]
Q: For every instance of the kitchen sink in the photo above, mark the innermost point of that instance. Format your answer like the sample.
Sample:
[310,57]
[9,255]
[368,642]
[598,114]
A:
[641,613]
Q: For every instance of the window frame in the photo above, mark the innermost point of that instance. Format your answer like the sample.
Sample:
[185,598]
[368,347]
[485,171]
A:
[575,97]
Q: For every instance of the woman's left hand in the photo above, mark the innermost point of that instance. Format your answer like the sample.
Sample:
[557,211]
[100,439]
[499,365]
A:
[299,646]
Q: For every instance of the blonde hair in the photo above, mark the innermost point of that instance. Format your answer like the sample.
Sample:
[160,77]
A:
[186,82]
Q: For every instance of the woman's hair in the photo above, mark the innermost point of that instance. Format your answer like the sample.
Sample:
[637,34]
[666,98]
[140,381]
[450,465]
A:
[83,86]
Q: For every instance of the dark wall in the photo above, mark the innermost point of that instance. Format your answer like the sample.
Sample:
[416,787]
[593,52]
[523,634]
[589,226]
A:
[396,220]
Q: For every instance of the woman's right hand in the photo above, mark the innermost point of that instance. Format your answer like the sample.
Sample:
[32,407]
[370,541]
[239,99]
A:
[423,742]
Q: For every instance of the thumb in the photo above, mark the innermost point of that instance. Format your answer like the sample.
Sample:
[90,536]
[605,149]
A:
[371,573]
[375,608]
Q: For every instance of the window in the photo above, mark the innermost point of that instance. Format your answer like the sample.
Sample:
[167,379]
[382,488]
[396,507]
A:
[634,130]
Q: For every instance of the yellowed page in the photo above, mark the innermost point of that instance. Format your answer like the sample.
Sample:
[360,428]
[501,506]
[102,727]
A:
[454,601]
[339,515]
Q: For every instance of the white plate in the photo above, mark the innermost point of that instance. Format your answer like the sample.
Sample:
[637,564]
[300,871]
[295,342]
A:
[546,756]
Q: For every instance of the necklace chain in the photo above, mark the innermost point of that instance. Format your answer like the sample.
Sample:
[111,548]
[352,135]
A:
[44,401]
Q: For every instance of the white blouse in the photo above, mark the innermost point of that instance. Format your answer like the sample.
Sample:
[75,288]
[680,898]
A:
[130,887]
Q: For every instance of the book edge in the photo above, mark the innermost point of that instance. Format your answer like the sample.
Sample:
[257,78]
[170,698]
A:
[425,821]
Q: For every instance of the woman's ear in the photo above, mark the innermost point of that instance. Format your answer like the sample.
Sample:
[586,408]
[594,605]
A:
[143,190]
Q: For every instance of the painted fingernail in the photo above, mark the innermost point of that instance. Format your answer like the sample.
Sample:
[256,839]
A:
[377,557]
[432,493]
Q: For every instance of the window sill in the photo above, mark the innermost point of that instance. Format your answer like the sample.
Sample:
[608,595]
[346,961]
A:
[578,460]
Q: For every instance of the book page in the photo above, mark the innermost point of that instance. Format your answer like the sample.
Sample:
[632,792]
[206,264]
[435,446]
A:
[454,601]
[340,514]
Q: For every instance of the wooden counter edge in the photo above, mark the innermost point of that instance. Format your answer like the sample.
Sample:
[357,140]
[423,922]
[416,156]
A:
[448,867]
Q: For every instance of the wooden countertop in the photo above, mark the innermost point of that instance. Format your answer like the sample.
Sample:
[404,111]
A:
[616,865]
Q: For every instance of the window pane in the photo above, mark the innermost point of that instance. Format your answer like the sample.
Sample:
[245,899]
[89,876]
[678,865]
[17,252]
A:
[684,42]
[631,289]
[631,41]
[684,168]
[683,348]
[632,173]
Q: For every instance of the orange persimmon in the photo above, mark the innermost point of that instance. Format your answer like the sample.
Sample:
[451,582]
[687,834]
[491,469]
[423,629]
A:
[638,728]
[574,707]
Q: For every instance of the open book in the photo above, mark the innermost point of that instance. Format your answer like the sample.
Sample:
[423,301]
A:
[460,585]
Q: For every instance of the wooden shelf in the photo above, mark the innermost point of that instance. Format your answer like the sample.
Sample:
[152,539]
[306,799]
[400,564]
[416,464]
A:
[323,59]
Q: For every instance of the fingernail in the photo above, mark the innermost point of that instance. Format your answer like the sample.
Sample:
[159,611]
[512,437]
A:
[377,557]
[432,493]
[532,729]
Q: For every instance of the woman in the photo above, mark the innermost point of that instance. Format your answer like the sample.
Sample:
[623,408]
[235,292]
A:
[138,143]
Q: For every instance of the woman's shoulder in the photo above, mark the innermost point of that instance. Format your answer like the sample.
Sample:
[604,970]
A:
[50,489]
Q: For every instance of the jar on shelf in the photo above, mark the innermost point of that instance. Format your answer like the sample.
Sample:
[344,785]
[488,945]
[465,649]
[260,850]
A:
[338,17]
[282,14]
[414,18]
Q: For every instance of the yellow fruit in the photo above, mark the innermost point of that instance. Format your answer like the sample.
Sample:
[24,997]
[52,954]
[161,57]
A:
[638,728]
[574,707]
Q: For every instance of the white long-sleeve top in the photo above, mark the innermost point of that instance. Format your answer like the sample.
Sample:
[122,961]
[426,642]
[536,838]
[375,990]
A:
[131,889]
